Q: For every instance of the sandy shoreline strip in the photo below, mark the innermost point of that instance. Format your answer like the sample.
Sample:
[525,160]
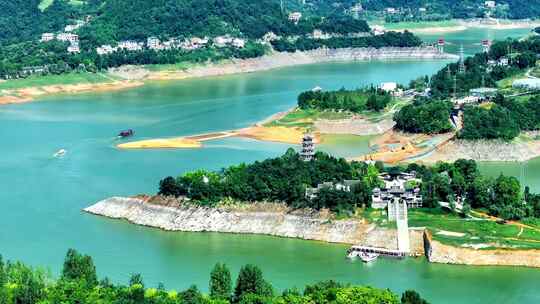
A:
[22,95]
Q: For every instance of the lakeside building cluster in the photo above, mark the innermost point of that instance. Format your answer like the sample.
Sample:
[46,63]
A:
[401,188]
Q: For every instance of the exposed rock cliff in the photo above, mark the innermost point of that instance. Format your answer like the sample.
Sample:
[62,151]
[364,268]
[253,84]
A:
[269,219]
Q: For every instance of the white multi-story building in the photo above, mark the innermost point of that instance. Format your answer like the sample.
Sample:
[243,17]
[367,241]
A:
[74,48]
[295,17]
[391,10]
[153,43]
[130,45]
[239,43]
[222,41]
[105,49]
[47,37]
[490,4]
[68,37]
[270,36]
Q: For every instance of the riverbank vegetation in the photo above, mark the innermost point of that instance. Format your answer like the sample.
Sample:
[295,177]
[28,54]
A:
[78,283]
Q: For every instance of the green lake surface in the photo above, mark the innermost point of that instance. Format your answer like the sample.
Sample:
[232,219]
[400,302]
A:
[41,197]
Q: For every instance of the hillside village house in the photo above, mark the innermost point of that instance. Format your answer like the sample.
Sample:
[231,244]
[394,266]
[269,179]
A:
[47,37]
[130,45]
[68,37]
[390,10]
[239,43]
[490,4]
[378,30]
[295,17]
[153,43]
[223,41]
[105,49]
[74,48]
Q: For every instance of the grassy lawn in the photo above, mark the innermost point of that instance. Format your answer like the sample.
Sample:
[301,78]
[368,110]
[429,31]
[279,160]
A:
[305,118]
[169,67]
[474,231]
[38,81]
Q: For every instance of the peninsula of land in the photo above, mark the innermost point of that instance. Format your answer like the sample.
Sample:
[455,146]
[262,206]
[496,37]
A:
[276,219]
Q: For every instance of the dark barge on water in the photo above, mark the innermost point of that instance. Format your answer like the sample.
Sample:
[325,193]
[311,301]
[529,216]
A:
[126,133]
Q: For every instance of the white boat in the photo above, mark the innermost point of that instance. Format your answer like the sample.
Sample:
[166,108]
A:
[353,254]
[367,257]
[60,153]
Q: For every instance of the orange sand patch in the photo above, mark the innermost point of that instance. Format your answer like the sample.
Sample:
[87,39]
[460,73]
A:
[162,143]
[13,99]
[275,134]
[28,94]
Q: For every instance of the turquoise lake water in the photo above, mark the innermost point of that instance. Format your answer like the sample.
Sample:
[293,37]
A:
[41,197]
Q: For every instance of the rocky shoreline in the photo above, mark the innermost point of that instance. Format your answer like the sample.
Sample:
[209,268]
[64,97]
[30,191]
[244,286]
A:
[278,220]
[284,59]
[265,218]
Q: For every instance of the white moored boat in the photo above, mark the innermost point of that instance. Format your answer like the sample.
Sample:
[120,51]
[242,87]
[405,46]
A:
[352,255]
[367,257]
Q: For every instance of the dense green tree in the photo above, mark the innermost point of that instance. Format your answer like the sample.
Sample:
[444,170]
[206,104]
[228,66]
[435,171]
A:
[430,117]
[79,267]
[192,295]
[479,194]
[323,292]
[494,123]
[251,281]
[168,187]
[412,297]
[507,198]
[220,282]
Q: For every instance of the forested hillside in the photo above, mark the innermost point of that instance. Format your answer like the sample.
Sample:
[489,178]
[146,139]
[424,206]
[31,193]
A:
[21,20]
[114,20]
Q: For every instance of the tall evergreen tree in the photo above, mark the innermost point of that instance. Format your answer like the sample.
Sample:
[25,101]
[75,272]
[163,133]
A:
[250,281]
[79,267]
[220,282]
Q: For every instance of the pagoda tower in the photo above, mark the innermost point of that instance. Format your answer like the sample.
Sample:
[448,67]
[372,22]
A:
[308,147]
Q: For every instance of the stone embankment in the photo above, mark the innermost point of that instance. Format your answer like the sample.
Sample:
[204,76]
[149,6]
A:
[284,59]
[445,254]
[262,218]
